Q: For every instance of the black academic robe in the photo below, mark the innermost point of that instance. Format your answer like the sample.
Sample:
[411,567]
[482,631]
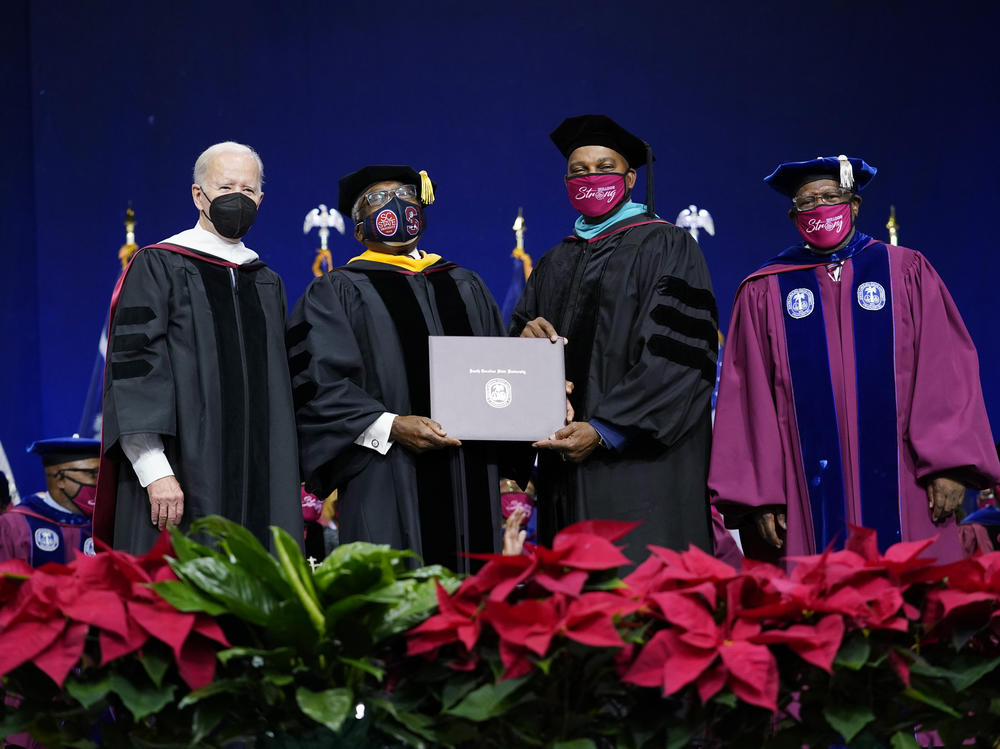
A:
[196,354]
[357,344]
[636,304]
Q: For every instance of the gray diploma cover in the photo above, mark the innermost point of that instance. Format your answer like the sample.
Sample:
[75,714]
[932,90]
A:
[491,388]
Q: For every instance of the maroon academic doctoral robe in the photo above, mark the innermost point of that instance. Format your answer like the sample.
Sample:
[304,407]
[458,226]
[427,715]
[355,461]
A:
[941,418]
[16,534]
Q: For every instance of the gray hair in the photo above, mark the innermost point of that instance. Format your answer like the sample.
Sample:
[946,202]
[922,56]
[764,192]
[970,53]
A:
[356,208]
[228,146]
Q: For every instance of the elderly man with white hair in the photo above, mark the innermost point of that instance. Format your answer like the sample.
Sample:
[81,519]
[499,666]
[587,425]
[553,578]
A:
[198,415]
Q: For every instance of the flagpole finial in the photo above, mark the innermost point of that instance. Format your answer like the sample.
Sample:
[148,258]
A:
[893,226]
[324,219]
[693,219]
[519,229]
[127,250]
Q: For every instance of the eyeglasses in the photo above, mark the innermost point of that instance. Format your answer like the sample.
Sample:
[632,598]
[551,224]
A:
[830,197]
[90,472]
[378,198]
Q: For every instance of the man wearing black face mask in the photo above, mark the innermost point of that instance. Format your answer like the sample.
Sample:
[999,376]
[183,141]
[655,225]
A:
[358,355]
[54,525]
[632,295]
[197,400]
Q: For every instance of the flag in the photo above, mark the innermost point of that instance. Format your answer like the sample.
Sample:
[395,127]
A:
[90,419]
[93,406]
[521,269]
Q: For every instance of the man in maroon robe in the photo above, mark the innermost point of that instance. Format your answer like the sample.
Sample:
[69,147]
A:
[54,525]
[850,388]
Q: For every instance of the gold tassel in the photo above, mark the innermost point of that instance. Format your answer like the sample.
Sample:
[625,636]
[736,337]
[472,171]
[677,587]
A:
[426,189]
[126,252]
[525,259]
[323,258]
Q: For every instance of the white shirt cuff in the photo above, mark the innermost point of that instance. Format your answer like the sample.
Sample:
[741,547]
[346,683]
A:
[145,453]
[376,436]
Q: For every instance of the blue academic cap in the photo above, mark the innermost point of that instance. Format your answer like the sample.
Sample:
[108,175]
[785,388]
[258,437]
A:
[65,449]
[852,173]
[988,515]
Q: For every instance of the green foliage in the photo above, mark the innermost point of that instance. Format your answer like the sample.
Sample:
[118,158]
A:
[317,658]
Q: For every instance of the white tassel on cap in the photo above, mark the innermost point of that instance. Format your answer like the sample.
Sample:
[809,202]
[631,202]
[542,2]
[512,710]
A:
[846,173]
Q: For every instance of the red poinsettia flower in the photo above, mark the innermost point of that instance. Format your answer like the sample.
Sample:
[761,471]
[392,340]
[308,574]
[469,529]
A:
[971,598]
[576,550]
[817,644]
[711,659]
[55,606]
[458,620]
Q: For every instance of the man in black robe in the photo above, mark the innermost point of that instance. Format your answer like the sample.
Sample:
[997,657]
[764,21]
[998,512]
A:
[632,295]
[197,399]
[358,355]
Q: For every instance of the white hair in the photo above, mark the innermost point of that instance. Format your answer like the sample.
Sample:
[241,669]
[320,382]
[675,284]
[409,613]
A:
[228,146]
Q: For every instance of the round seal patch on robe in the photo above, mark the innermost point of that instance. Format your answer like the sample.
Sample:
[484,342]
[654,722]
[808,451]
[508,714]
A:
[871,296]
[46,539]
[800,303]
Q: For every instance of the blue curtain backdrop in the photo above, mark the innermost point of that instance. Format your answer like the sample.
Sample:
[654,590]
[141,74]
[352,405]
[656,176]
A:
[110,102]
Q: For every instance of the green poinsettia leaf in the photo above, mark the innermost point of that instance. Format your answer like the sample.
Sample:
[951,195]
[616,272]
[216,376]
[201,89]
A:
[961,634]
[343,607]
[680,736]
[183,597]
[488,701]
[142,700]
[853,653]
[365,666]
[848,720]
[915,694]
[417,724]
[220,686]
[331,707]
[901,740]
[290,624]
[920,665]
[299,575]
[156,665]
[243,547]
[16,722]
[206,717]
[268,657]
[84,744]
[726,698]
[88,693]
[185,549]
[358,568]
[457,687]
[243,594]
[430,572]
[967,669]
[410,602]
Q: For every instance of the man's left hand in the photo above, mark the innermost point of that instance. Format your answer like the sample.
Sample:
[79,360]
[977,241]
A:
[944,496]
[575,441]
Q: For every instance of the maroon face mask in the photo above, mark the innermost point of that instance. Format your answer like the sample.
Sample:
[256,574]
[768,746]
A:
[85,499]
[595,194]
[825,226]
